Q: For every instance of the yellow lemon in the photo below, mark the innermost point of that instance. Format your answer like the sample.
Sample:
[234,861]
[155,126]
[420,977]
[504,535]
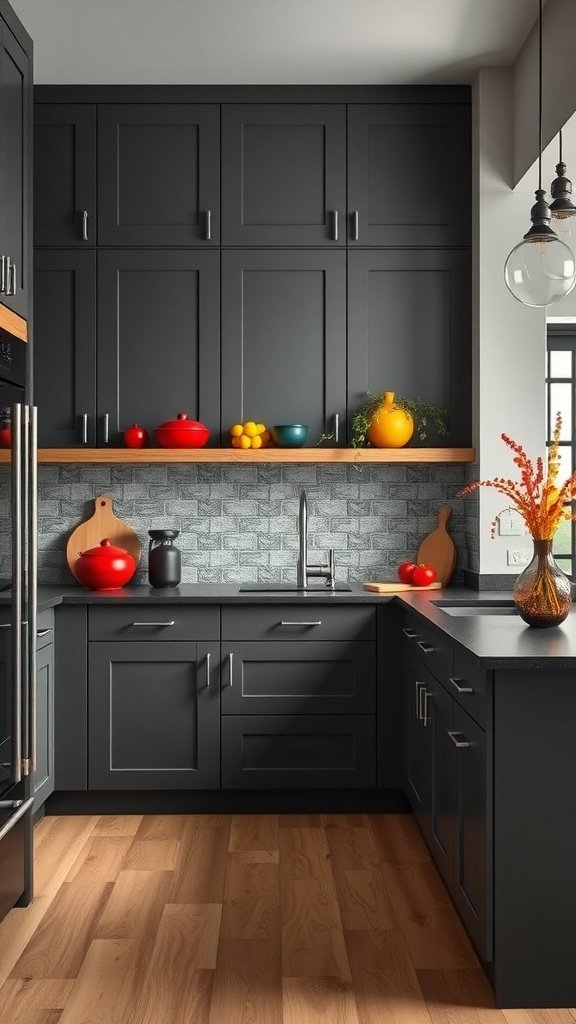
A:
[260,428]
[250,429]
[256,441]
[244,441]
[237,430]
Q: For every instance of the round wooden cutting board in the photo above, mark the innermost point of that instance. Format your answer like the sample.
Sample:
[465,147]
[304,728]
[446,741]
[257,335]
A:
[102,524]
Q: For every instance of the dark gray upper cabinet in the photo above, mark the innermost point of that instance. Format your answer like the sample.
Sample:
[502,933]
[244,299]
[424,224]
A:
[284,338]
[283,174]
[15,170]
[158,339]
[158,174]
[65,174]
[65,346]
[409,174]
[409,330]
[154,716]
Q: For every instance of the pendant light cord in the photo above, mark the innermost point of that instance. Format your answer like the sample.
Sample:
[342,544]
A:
[560,148]
[540,96]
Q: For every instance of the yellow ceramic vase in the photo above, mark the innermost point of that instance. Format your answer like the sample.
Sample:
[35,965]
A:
[391,426]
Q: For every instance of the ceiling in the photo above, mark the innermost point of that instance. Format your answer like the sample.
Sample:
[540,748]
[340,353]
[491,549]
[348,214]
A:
[272,41]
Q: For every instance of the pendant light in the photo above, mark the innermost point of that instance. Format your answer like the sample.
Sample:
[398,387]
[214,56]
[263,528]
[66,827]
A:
[541,269]
[562,208]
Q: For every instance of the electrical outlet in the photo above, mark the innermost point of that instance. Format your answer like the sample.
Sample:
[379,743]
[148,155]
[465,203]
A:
[519,556]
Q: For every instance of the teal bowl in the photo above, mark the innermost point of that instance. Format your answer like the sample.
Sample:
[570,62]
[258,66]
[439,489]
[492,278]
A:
[290,435]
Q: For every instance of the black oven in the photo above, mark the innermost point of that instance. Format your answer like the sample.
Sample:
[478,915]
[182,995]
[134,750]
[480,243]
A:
[17,624]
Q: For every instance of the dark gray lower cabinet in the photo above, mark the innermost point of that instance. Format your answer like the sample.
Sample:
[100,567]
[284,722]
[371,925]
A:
[44,772]
[154,715]
[298,751]
[472,882]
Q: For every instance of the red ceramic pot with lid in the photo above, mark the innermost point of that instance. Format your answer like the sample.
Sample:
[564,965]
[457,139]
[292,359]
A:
[105,567]
[182,433]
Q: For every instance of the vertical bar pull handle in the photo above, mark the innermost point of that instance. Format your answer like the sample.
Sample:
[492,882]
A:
[355,226]
[84,225]
[337,427]
[426,718]
[208,225]
[334,225]
[16,470]
[106,427]
[84,428]
[13,283]
[32,582]
[231,669]
[208,669]
[419,687]
[3,274]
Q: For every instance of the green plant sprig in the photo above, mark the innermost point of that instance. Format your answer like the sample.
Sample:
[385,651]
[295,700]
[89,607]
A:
[423,413]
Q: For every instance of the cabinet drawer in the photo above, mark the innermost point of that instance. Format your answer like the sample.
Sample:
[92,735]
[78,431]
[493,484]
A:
[467,684]
[154,622]
[45,628]
[298,622]
[298,752]
[430,645]
[327,677]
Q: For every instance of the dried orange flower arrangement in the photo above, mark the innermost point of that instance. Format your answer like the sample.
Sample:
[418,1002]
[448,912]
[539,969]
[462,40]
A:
[542,593]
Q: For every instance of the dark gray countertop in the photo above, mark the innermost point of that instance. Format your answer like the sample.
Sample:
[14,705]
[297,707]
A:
[498,641]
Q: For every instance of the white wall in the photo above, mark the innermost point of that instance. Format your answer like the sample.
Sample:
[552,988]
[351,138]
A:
[508,338]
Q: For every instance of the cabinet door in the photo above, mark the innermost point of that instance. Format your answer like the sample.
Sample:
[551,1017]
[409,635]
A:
[158,174]
[283,174]
[15,156]
[44,772]
[438,719]
[153,716]
[472,871]
[284,338]
[409,324]
[65,346]
[416,746]
[158,339]
[318,677]
[65,174]
[298,751]
[409,174]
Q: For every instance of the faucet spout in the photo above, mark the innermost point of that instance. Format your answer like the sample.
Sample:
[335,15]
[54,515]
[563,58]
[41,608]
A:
[301,574]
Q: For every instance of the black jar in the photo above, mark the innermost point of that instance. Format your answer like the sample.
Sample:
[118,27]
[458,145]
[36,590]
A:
[164,562]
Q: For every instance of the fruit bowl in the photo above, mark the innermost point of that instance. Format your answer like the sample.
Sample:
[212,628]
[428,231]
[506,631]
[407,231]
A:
[290,435]
[181,433]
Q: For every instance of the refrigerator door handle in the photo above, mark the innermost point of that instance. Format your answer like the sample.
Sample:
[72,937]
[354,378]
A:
[25,672]
[16,472]
[32,582]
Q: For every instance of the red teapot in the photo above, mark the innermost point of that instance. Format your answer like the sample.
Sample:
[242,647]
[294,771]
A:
[105,567]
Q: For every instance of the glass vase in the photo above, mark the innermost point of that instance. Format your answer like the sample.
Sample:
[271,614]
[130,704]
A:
[543,593]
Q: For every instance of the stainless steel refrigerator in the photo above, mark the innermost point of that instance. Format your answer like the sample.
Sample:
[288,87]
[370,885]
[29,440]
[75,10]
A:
[18,578]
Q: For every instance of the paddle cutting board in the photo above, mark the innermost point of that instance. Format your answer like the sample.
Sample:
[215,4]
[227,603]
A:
[102,523]
[397,588]
[438,548]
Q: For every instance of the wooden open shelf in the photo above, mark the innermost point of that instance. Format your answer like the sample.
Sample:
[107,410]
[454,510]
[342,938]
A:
[354,455]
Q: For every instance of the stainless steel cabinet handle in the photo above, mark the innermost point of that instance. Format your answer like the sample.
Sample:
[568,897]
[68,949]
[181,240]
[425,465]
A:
[426,718]
[460,689]
[171,622]
[425,647]
[334,225]
[17,591]
[419,687]
[337,427]
[410,633]
[84,225]
[3,274]
[33,632]
[208,225]
[459,740]
[106,427]
[230,668]
[12,280]
[355,226]
[208,656]
[84,428]
[315,622]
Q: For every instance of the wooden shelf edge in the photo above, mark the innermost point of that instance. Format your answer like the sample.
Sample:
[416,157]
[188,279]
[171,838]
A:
[358,456]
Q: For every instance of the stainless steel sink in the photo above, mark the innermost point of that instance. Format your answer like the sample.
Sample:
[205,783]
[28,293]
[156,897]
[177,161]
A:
[460,609]
[291,588]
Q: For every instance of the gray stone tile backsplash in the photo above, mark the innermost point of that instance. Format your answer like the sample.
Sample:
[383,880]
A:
[239,523]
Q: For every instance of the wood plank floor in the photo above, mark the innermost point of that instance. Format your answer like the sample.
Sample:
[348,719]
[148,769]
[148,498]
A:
[244,919]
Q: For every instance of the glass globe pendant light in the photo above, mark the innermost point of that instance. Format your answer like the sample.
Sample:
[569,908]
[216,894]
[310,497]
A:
[541,269]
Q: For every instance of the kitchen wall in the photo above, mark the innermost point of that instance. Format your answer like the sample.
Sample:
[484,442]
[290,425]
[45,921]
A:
[239,523]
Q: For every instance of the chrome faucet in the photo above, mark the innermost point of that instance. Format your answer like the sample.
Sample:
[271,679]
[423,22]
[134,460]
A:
[303,570]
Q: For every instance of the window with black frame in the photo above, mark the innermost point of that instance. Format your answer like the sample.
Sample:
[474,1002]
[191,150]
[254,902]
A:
[561,397]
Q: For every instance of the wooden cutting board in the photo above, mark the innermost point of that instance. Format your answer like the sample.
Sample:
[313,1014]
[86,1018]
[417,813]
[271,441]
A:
[397,588]
[438,548]
[102,524]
